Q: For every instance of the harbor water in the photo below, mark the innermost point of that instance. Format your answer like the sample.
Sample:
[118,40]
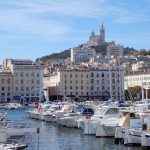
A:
[55,137]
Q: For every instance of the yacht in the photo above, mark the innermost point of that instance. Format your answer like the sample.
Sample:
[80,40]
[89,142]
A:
[91,126]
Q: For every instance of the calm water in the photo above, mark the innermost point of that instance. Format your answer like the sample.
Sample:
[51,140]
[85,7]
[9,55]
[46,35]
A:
[56,137]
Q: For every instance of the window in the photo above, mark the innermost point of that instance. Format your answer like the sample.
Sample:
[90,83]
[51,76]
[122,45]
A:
[8,94]
[21,74]
[92,74]
[113,81]
[16,74]
[37,74]
[76,75]
[2,94]
[81,87]
[70,87]
[70,82]
[92,80]
[38,82]
[16,88]
[81,75]
[76,87]
[92,88]
[2,88]
[102,75]
[70,75]
[27,88]
[21,81]
[32,81]
[113,74]
[97,75]
[8,88]
[8,80]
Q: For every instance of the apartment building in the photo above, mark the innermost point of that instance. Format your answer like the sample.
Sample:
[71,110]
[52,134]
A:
[82,54]
[115,50]
[6,90]
[89,82]
[139,78]
[27,79]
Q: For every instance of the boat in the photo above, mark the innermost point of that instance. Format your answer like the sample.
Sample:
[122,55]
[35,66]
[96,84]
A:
[91,126]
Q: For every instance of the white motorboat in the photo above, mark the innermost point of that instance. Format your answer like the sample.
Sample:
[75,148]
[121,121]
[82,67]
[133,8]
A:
[79,113]
[129,121]
[145,135]
[91,126]
[13,146]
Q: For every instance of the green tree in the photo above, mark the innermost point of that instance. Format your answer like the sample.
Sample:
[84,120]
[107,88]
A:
[134,90]
[143,52]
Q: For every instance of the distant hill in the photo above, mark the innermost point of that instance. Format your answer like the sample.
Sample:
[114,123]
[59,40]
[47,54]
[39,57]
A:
[66,53]
[62,55]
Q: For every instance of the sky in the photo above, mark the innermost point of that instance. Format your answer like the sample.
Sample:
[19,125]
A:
[30,29]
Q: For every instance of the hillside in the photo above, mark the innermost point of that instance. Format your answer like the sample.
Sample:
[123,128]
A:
[62,55]
[66,53]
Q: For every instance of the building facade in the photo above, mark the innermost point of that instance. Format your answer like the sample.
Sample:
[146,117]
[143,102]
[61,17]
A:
[115,50]
[27,79]
[6,82]
[139,78]
[90,83]
[82,54]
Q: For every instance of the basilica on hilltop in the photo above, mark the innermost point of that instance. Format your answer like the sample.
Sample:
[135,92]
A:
[97,39]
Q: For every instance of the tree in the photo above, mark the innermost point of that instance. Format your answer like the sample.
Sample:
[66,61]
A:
[143,52]
[135,90]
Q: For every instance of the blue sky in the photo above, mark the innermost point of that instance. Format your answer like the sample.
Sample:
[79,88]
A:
[35,28]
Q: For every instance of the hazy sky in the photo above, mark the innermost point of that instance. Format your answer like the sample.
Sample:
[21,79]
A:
[34,28]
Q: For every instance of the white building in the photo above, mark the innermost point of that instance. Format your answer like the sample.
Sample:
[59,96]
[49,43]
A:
[115,50]
[27,78]
[82,54]
[139,78]
[140,65]
[89,82]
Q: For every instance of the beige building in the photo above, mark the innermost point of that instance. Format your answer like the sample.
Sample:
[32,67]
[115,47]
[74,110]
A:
[88,82]
[6,79]
[27,78]
[115,50]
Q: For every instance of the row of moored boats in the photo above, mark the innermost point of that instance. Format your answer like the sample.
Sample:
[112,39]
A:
[127,125]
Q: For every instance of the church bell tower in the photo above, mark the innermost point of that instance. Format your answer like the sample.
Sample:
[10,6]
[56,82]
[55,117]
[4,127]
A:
[102,34]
